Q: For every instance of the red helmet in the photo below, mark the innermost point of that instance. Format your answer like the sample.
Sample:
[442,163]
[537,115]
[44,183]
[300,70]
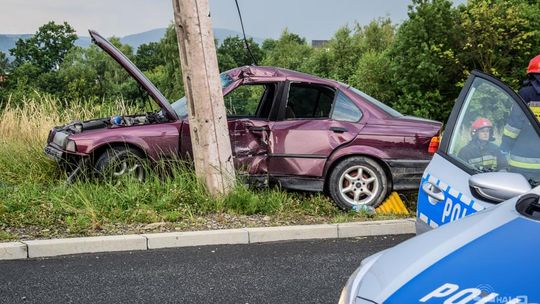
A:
[534,65]
[480,123]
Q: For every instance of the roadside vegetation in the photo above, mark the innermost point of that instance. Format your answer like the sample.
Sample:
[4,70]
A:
[36,202]
[417,67]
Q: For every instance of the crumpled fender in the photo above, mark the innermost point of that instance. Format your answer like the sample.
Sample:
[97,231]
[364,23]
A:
[115,140]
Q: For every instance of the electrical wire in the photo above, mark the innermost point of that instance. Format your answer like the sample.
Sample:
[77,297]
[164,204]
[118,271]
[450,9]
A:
[244,33]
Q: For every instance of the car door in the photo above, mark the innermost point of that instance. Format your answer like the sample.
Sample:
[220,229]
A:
[445,195]
[248,109]
[315,119]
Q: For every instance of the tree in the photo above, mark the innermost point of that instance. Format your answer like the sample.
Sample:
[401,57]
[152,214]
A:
[339,58]
[149,56]
[268,45]
[4,64]
[505,47]
[233,53]
[371,76]
[371,73]
[79,74]
[425,67]
[290,52]
[344,53]
[170,80]
[377,36]
[47,48]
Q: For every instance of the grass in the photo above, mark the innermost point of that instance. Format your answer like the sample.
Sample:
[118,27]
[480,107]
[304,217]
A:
[36,203]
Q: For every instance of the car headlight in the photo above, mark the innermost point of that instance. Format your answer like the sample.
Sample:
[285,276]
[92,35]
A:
[349,294]
[60,139]
[71,146]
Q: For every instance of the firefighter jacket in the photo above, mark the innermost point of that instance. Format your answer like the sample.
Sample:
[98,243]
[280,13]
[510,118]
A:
[483,155]
[520,140]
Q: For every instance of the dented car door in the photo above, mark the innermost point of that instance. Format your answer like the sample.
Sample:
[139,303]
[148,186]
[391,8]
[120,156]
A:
[309,132]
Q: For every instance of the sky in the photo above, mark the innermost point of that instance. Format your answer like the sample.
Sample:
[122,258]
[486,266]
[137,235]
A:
[313,19]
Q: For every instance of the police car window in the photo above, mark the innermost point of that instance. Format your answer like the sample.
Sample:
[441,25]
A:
[490,131]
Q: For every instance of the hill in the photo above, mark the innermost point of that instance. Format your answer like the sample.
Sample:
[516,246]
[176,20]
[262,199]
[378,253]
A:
[7,41]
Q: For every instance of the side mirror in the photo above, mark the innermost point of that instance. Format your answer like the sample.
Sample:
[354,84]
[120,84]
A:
[498,186]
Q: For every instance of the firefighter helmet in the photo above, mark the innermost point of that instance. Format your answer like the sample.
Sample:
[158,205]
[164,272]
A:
[534,65]
[481,123]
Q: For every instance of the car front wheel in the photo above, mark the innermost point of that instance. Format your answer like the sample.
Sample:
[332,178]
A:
[121,162]
[358,181]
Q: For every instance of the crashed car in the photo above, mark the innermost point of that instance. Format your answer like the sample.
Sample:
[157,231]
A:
[484,258]
[297,130]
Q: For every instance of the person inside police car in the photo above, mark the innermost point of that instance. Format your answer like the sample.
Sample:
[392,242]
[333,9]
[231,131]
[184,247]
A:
[520,141]
[480,152]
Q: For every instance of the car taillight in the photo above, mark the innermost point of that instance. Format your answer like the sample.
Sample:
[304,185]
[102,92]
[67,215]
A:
[434,144]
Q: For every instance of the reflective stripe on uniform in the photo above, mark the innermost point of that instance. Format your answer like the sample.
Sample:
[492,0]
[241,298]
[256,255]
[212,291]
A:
[486,160]
[510,131]
[524,162]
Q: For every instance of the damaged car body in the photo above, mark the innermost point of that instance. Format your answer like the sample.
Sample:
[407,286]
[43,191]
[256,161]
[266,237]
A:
[300,131]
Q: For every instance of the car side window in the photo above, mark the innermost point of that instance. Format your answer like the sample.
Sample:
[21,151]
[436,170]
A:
[308,101]
[485,133]
[250,101]
[345,109]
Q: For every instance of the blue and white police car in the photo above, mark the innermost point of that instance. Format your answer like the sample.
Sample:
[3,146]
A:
[491,257]
[449,190]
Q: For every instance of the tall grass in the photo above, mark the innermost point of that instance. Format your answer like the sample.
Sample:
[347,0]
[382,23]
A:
[34,197]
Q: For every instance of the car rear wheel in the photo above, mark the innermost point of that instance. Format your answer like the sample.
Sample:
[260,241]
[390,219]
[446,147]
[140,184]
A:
[358,181]
[121,162]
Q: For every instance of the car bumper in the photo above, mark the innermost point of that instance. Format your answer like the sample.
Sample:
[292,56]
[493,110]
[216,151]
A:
[54,152]
[407,174]
[60,155]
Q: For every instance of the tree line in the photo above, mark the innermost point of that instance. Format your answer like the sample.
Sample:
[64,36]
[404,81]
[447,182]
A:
[417,67]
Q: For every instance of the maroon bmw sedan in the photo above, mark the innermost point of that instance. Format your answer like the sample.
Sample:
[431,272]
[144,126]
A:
[297,130]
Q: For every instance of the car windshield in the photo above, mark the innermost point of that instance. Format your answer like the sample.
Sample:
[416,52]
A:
[374,101]
[180,106]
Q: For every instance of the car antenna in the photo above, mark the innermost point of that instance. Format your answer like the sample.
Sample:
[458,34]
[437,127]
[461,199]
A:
[244,33]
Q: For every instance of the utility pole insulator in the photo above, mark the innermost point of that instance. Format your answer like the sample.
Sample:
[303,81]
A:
[207,115]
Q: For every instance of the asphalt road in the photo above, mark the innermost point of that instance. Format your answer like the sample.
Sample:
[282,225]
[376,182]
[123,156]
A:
[286,272]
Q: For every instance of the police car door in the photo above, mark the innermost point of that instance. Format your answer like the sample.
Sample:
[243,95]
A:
[444,194]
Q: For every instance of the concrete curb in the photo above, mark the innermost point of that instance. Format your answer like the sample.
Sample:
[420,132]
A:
[58,247]
[13,251]
[286,233]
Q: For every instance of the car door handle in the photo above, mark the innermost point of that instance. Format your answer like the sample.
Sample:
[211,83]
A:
[433,191]
[338,129]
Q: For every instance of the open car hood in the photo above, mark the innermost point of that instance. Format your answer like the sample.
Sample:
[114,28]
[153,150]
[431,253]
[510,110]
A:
[110,49]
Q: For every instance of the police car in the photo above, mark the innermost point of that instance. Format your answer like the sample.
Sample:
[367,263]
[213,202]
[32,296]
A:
[452,186]
[490,257]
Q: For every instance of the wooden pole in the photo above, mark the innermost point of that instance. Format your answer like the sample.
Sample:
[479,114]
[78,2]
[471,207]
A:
[207,115]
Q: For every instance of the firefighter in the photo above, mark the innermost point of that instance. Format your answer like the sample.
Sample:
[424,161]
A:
[480,152]
[520,141]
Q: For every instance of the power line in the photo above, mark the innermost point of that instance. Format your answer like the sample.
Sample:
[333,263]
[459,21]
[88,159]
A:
[244,33]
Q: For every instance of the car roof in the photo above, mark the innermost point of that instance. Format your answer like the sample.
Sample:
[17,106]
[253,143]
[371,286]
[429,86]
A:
[276,73]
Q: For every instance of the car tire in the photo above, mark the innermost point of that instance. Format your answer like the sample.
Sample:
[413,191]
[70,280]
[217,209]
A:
[358,181]
[120,162]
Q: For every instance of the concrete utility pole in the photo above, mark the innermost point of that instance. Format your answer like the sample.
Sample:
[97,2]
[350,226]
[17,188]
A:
[207,115]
